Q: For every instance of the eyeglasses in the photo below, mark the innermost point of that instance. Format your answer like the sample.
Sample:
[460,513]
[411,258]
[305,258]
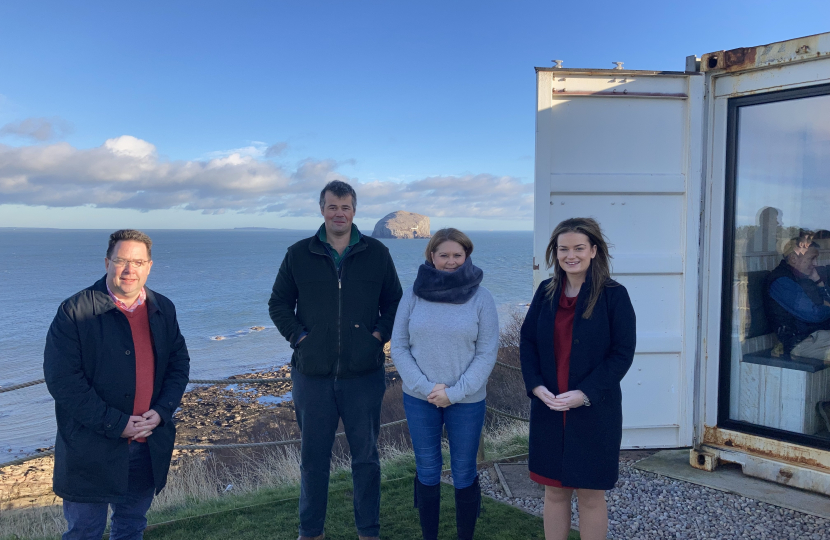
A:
[118,261]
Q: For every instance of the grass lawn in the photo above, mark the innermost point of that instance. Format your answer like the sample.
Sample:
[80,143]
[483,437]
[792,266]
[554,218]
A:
[278,520]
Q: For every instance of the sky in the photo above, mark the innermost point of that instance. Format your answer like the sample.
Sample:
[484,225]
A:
[784,162]
[219,115]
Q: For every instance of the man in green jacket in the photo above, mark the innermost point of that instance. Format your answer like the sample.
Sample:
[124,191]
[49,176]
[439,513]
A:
[334,300]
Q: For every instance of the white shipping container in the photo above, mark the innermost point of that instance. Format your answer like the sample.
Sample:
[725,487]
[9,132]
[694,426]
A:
[678,169]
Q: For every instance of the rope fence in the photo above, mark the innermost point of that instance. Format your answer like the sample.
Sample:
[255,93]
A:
[508,366]
[508,415]
[47,453]
[215,381]
[191,381]
[24,385]
[238,381]
[263,444]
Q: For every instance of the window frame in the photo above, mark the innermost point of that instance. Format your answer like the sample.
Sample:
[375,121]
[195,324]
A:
[727,312]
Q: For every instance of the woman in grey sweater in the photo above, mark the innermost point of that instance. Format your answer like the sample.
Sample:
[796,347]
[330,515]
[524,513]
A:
[444,346]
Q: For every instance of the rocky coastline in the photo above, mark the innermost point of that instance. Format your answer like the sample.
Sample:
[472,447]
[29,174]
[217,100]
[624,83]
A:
[236,412]
[209,414]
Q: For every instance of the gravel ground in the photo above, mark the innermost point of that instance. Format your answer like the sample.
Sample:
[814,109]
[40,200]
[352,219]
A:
[646,506]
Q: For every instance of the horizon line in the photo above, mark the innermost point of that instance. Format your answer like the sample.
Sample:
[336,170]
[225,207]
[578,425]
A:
[213,229]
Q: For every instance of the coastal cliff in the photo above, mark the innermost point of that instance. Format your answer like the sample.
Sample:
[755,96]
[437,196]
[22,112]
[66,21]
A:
[402,224]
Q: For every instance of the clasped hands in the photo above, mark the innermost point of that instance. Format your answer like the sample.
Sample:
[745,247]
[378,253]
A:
[567,400]
[438,396]
[141,426]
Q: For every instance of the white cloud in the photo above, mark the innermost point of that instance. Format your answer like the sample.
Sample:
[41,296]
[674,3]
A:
[126,172]
[129,146]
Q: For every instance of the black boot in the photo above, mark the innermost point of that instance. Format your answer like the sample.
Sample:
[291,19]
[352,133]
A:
[467,509]
[428,503]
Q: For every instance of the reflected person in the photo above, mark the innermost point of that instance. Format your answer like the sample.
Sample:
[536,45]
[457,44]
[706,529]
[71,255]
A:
[117,366]
[797,302]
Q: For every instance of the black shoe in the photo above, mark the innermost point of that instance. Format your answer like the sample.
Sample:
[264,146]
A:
[467,509]
[428,503]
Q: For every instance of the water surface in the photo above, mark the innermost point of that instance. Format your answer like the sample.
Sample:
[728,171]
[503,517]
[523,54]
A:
[220,282]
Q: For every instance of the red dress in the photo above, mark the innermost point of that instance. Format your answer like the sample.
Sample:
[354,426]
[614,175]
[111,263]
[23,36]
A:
[563,326]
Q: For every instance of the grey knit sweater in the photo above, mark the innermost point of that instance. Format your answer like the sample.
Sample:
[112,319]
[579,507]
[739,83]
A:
[452,344]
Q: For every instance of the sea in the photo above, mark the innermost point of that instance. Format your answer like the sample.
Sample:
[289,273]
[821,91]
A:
[220,282]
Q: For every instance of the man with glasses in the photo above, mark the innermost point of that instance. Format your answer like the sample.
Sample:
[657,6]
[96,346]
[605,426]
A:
[117,366]
[334,300]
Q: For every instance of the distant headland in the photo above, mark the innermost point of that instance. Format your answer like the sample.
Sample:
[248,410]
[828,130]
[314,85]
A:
[402,224]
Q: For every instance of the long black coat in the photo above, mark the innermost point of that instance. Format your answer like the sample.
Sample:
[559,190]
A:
[89,365]
[585,453]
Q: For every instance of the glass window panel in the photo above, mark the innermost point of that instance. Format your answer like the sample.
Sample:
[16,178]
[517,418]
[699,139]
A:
[780,327]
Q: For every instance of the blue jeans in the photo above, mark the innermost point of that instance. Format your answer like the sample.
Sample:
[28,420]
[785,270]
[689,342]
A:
[464,422]
[320,403]
[87,521]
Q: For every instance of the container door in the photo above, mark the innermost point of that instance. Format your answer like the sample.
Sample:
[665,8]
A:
[624,147]
[766,316]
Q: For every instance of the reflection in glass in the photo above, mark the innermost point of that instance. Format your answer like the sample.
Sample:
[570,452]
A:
[780,361]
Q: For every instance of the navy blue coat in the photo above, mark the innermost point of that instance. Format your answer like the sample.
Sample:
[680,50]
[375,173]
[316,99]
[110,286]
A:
[89,365]
[585,453]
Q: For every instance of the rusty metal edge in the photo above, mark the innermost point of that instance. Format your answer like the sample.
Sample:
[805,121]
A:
[790,453]
[746,58]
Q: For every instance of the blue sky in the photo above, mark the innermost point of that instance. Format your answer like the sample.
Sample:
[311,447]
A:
[217,114]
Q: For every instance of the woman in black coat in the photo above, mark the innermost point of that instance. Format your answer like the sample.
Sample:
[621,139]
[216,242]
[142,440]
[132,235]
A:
[577,343]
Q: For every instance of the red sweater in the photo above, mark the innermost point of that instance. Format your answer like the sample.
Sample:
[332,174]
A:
[145,360]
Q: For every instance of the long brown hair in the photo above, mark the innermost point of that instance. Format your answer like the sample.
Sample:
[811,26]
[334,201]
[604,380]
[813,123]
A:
[600,268]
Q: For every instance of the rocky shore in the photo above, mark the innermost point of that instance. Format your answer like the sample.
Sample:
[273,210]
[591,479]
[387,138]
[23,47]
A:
[209,414]
[27,485]
[237,412]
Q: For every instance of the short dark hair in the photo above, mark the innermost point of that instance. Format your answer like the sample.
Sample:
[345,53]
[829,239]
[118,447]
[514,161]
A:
[449,235]
[339,189]
[130,235]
